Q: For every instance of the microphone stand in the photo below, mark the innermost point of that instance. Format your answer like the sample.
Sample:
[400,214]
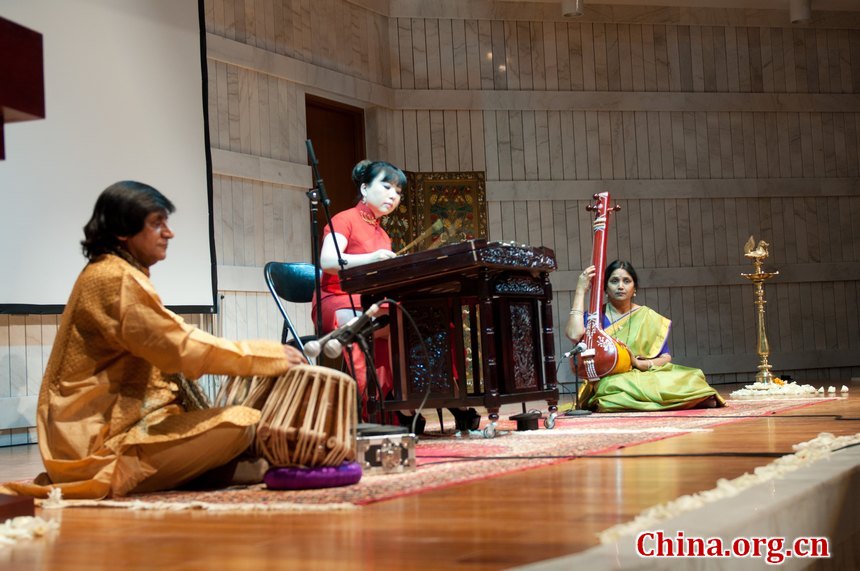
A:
[375,410]
[372,384]
[317,195]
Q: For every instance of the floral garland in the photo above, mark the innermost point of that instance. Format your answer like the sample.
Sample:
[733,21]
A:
[806,453]
[25,527]
[783,388]
[55,501]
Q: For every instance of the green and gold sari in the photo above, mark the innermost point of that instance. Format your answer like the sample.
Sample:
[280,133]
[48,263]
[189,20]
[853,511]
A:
[670,387]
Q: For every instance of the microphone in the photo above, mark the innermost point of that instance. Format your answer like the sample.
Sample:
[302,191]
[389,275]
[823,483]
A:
[333,348]
[378,323]
[311,155]
[578,348]
[334,341]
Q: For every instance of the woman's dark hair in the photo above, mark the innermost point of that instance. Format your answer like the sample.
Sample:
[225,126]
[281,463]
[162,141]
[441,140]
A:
[120,211]
[624,265]
[365,172]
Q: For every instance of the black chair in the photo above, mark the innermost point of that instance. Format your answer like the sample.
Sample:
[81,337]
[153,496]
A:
[293,282]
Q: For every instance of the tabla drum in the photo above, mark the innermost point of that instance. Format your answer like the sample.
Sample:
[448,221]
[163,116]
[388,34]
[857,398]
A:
[309,419]
[245,391]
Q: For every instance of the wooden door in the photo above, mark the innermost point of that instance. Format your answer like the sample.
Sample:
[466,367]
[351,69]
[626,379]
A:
[337,133]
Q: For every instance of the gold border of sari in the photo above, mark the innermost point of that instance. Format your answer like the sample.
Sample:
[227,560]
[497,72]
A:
[647,325]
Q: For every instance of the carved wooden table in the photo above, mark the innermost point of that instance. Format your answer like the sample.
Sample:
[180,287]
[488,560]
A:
[484,313]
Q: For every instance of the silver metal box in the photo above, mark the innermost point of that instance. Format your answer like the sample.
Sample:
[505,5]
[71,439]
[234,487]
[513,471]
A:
[386,454]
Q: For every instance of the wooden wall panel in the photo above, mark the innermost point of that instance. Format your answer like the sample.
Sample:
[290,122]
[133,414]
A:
[648,57]
[653,145]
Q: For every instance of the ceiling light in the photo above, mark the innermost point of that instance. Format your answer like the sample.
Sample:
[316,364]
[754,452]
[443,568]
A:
[572,8]
[800,10]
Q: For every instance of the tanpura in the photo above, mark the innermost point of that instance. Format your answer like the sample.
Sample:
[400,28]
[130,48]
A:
[601,354]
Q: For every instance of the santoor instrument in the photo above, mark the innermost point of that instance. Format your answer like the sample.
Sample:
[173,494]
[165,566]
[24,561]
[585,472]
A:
[497,348]
[308,415]
[603,355]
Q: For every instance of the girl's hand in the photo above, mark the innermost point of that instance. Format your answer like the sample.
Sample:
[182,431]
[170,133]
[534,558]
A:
[383,254]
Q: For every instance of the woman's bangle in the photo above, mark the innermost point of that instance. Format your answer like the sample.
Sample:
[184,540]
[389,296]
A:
[573,311]
[650,364]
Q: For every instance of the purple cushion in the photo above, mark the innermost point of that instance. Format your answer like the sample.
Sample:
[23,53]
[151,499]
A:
[292,478]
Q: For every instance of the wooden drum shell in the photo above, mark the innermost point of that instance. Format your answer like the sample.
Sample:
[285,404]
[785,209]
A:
[309,419]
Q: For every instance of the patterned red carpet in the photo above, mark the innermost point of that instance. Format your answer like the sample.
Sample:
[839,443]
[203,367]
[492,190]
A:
[445,459]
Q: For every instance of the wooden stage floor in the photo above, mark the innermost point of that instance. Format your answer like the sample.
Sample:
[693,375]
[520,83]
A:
[495,523]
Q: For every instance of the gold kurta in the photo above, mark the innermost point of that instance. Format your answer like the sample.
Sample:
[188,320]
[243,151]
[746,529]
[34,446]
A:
[108,415]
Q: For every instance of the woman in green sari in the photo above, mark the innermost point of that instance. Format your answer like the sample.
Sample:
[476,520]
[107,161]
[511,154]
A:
[654,383]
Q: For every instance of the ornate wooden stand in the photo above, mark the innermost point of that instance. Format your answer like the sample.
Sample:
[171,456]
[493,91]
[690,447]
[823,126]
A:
[758,277]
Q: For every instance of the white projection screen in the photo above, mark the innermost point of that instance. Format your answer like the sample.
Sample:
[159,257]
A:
[125,99]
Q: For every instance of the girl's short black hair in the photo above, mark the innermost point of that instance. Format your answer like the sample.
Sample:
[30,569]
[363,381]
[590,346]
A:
[624,265]
[120,211]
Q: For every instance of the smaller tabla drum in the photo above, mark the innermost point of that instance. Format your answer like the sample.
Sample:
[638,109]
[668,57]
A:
[309,419]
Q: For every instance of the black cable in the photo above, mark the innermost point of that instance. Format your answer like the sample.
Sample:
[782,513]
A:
[564,390]
[414,325]
[831,416]
[351,365]
[371,381]
[768,416]
[455,458]
[846,447]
